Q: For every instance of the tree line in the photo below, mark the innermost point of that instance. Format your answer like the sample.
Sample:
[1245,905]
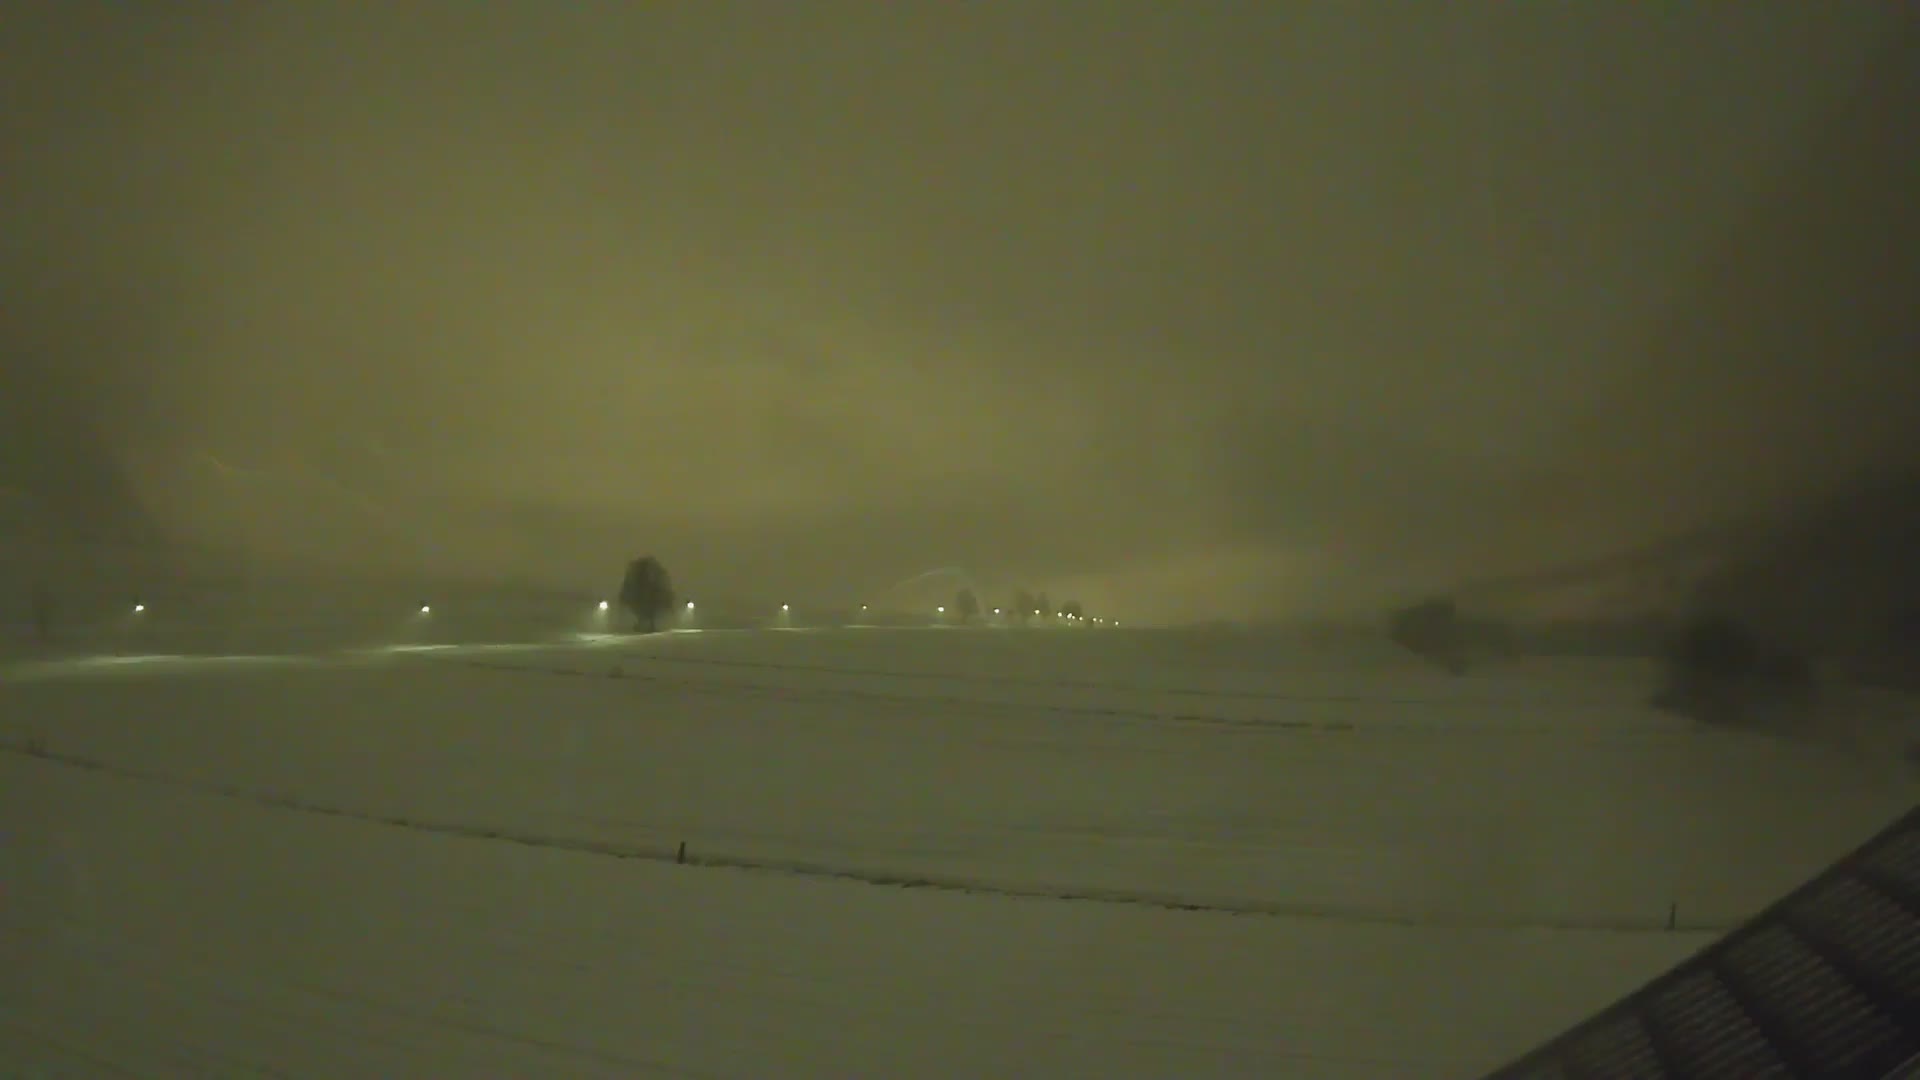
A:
[646,593]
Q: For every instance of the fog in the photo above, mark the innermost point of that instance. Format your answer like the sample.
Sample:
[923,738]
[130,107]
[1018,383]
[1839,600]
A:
[1200,310]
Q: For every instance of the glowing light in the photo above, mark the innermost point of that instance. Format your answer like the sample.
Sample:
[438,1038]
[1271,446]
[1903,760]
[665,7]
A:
[784,607]
[940,611]
[426,609]
[689,605]
[603,605]
[138,608]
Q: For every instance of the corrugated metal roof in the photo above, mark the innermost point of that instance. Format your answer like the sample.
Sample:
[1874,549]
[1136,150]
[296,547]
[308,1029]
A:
[1823,984]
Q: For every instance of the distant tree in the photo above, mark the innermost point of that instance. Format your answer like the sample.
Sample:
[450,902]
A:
[1720,672]
[1432,630]
[1024,605]
[966,605]
[1072,610]
[1042,606]
[647,592]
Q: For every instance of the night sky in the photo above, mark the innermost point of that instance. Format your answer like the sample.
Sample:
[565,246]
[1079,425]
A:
[1187,310]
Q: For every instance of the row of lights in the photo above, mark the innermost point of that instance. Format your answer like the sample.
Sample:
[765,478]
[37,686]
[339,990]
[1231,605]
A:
[427,609]
[942,610]
[604,605]
[997,611]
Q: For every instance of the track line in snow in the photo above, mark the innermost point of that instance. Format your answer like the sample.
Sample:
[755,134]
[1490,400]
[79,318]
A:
[801,868]
[1101,712]
[620,671]
[1121,688]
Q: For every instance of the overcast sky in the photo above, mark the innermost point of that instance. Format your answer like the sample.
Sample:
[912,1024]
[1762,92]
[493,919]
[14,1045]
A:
[1189,309]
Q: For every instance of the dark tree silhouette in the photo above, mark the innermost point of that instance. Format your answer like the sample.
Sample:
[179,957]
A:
[1432,631]
[1043,606]
[1023,605]
[1072,609]
[647,592]
[966,605]
[1718,672]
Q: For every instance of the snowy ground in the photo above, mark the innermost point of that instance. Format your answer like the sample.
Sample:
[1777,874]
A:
[908,853]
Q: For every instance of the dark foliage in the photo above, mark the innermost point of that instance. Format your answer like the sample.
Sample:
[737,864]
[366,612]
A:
[1720,672]
[1023,606]
[1432,630]
[646,592]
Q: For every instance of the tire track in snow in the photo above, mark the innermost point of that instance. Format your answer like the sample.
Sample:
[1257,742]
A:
[801,868]
[1123,688]
[619,671]
[820,693]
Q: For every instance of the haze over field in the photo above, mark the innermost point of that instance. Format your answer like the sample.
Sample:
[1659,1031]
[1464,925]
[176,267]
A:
[1195,312]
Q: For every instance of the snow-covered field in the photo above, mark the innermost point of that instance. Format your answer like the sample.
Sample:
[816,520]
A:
[907,853]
